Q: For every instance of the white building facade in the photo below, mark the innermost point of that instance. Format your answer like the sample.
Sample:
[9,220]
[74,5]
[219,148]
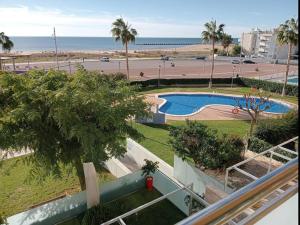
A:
[264,44]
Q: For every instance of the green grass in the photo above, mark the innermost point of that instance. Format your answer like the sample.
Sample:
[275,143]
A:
[157,136]
[18,194]
[234,90]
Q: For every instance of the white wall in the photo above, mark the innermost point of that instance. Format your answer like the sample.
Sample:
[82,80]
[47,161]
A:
[186,174]
[139,153]
[285,214]
[116,168]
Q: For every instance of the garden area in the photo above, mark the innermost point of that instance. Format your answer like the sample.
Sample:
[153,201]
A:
[66,135]
[21,189]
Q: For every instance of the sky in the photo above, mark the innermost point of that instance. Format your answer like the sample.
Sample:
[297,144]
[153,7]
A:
[151,18]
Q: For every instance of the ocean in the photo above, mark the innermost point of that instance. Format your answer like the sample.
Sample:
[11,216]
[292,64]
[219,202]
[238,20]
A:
[31,44]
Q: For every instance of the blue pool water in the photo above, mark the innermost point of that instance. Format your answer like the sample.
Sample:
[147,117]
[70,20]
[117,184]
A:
[183,104]
[293,80]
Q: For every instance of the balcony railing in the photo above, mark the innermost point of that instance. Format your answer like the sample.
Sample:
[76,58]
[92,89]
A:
[281,184]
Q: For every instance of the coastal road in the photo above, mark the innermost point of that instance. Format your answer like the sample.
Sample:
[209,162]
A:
[184,68]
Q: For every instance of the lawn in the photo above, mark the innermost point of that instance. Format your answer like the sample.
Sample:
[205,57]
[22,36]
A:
[234,90]
[18,193]
[157,136]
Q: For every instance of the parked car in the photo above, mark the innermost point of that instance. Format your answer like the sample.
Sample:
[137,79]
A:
[200,58]
[235,61]
[104,59]
[165,58]
[249,62]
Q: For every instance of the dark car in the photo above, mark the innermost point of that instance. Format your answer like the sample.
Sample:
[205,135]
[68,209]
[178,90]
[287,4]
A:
[249,62]
[200,58]
[235,61]
[165,58]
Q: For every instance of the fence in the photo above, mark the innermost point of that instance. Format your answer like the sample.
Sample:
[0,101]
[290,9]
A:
[186,173]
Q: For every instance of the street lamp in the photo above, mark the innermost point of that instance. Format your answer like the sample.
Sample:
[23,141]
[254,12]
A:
[233,69]
[158,81]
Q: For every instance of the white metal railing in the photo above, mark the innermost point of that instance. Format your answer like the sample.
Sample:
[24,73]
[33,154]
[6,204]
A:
[187,188]
[270,151]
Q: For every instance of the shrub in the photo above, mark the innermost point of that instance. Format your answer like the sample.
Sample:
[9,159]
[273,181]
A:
[276,131]
[257,145]
[195,141]
[228,152]
[202,144]
[291,90]
[236,50]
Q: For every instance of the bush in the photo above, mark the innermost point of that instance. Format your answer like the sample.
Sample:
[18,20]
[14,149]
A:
[257,145]
[276,131]
[101,213]
[229,150]
[236,50]
[291,90]
[203,145]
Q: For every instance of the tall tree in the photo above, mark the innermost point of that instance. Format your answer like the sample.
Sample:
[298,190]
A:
[67,119]
[123,31]
[287,33]
[6,44]
[213,34]
[226,41]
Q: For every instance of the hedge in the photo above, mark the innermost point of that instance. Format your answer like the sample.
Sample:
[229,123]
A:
[188,81]
[291,90]
[257,145]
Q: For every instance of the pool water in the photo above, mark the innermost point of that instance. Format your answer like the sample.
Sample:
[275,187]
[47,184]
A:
[185,104]
[293,80]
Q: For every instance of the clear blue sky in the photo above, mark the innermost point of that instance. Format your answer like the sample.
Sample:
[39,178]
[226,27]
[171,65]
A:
[152,18]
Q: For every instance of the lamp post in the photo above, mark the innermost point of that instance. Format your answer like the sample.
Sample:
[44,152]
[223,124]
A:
[54,35]
[119,66]
[233,68]
[158,81]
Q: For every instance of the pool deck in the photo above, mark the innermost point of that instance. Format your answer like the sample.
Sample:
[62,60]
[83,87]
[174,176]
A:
[213,112]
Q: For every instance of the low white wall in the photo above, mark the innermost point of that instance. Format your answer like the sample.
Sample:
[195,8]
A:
[116,168]
[139,153]
[186,174]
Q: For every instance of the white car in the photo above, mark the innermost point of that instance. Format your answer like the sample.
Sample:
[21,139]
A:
[104,59]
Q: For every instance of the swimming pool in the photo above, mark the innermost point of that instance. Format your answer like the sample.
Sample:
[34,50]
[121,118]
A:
[293,80]
[187,104]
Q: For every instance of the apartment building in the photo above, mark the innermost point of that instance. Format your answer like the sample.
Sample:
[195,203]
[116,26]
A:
[264,44]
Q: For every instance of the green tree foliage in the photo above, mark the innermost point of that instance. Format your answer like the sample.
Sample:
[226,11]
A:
[276,131]
[236,50]
[212,33]
[67,119]
[226,41]
[6,44]
[287,33]
[204,146]
[123,31]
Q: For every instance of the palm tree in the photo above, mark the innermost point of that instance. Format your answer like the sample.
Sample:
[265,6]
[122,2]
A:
[226,41]
[287,33]
[6,44]
[213,33]
[122,31]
